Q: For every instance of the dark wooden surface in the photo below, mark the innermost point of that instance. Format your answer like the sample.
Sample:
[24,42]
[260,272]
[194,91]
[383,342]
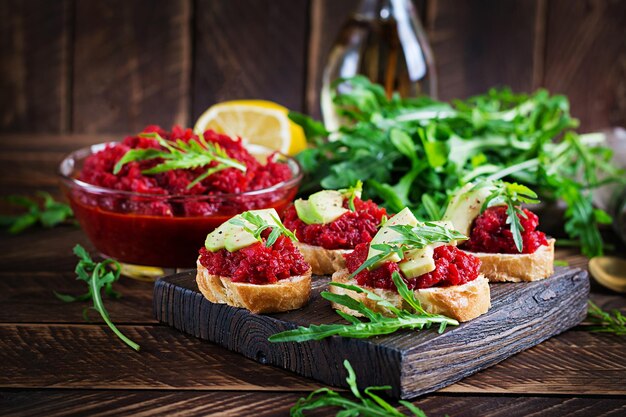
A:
[117,66]
[413,363]
[53,363]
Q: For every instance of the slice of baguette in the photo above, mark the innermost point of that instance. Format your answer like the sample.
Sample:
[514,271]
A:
[503,267]
[461,302]
[286,294]
[323,261]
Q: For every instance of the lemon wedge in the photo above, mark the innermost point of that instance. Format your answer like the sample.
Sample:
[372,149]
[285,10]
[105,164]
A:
[257,122]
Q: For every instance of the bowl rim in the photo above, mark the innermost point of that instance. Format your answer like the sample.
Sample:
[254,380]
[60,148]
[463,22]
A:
[68,164]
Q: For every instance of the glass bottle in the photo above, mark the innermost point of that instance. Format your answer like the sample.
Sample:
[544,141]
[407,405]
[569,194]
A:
[383,40]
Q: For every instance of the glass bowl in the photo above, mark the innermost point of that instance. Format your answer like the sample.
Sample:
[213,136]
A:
[116,223]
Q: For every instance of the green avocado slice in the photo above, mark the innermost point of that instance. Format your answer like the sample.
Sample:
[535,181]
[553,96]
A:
[465,206]
[386,235]
[321,208]
[233,237]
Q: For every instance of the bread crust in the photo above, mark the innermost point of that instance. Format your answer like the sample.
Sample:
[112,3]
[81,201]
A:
[287,294]
[323,261]
[461,302]
[526,267]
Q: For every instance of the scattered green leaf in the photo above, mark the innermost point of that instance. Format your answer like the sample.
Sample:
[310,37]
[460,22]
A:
[605,322]
[49,213]
[368,404]
[97,275]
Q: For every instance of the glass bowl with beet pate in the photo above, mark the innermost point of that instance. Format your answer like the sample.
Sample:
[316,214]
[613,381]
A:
[138,206]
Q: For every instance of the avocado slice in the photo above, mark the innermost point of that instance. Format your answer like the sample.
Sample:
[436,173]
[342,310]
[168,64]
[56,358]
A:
[215,240]
[321,208]
[233,237]
[387,235]
[237,238]
[418,262]
[465,206]
[305,213]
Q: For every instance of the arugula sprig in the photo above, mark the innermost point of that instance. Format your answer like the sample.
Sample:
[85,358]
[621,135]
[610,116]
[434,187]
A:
[376,324]
[181,155]
[259,225]
[49,213]
[97,275]
[351,193]
[605,322]
[410,238]
[368,403]
[512,195]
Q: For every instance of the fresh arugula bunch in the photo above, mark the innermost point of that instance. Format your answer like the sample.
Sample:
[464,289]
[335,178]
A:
[260,225]
[410,238]
[604,322]
[97,275]
[416,152]
[368,404]
[512,195]
[49,214]
[376,323]
[180,155]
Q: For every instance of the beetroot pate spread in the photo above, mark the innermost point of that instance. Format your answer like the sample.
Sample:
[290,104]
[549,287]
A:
[346,232]
[98,170]
[452,267]
[490,233]
[256,264]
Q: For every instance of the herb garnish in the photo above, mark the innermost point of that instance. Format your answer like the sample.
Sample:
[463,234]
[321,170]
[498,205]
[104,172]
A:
[405,149]
[369,404]
[97,275]
[605,322]
[260,225]
[376,323]
[351,193]
[411,237]
[181,155]
[513,196]
[49,214]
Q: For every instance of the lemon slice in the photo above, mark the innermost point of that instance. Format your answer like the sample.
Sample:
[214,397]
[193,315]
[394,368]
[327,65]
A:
[257,122]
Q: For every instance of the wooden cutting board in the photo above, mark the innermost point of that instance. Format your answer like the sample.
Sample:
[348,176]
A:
[413,363]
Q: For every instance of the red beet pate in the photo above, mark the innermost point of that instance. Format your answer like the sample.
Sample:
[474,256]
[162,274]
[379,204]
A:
[452,267]
[490,233]
[256,264]
[346,232]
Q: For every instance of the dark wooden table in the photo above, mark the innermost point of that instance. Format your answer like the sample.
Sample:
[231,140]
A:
[54,363]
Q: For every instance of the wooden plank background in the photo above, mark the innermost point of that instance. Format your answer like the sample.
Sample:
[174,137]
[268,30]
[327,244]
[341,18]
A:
[71,66]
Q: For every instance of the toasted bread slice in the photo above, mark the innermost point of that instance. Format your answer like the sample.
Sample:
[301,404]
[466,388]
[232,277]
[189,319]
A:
[501,267]
[323,261]
[286,294]
[460,302]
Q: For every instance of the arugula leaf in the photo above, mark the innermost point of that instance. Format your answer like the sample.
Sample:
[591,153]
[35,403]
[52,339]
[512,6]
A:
[51,213]
[376,323]
[351,193]
[368,404]
[605,322]
[411,238]
[260,225]
[512,195]
[404,149]
[97,275]
[181,155]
